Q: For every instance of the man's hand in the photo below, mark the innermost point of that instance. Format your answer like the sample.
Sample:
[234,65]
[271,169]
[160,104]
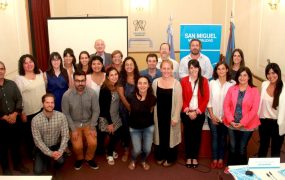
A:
[93,133]
[24,118]
[13,117]
[56,155]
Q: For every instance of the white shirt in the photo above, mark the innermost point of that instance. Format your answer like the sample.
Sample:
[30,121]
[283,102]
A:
[93,85]
[193,104]
[32,92]
[266,110]
[175,67]
[205,64]
[217,96]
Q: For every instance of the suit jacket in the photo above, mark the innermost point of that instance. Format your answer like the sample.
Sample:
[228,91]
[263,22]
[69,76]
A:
[250,104]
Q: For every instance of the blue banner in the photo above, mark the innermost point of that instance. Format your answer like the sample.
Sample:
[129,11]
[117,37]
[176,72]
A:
[208,34]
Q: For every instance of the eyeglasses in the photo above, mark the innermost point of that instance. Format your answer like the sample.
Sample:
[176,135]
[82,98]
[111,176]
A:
[80,81]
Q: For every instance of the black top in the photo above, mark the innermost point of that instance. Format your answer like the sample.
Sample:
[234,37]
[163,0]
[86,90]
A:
[10,98]
[141,115]
[105,98]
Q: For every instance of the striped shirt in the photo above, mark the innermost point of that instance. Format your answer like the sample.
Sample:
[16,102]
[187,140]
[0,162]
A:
[51,131]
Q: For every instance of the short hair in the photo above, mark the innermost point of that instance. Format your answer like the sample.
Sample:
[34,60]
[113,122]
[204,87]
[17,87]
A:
[95,58]
[192,40]
[248,72]
[46,96]
[164,44]
[79,73]
[22,59]
[215,73]
[3,64]
[117,52]
[151,55]
[167,61]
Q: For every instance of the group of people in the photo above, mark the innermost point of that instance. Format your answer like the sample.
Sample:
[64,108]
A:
[104,95]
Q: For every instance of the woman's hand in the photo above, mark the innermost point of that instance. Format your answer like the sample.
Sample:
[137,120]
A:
[110,128]
[192,115]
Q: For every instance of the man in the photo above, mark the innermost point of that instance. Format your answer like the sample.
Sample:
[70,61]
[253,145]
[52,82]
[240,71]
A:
[50,133]
[100,51]
[81,107]
[195,46]
[165,55]
[151,72]
[10,109]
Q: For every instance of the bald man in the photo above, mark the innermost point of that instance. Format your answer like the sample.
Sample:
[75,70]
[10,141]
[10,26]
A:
[100,51]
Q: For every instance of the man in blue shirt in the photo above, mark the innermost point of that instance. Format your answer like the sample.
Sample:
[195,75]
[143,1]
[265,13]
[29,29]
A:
[151,72]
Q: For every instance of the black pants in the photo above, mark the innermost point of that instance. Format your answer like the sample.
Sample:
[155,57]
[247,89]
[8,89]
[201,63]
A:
[113,139]
[10,139]
[192,134]
[269,130]
[42,161]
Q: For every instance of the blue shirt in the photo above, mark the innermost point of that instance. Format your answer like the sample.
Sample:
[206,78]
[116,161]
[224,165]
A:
[145,73]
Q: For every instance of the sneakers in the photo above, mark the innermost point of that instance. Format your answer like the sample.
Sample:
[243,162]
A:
[110,160]
[22,169]
[78,164]
[92,164]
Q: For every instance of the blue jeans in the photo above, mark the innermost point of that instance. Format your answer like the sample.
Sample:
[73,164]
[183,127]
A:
[142,140]
[238,145]
[219,139]
[42,161]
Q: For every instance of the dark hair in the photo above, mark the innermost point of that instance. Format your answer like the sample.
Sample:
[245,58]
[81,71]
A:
[107,83]
[80,66]
[79,73]
[95,58]
[3,64]
[152,55]
[279,83]
[215,74]
[117,52]
[22,59]
[248,72]
[47,95]
[195,63]
[50,70]
[123,73]
[71,53]
[150,98]
[164,44]
[192,40]
[242,63]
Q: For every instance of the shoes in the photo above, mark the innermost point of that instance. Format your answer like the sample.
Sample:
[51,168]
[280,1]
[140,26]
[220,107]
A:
[145,166]
[7,172]
[226,170]
[214,164]
[92,164]
[110,160]
[220,165]
[78,164]
[22,169]
[167,164]
[188,163]
[115,155]
[195,165]
[159,162]
[125,156]
[132,165]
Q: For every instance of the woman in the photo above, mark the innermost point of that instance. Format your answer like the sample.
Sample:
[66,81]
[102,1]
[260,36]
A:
[56,78]
[32,87]
[96,77]
[142,102]
[240,115]
[236,62]
[218,89]
[109,120]
[167,129]
[128,76]
[195,91]
[117,57]
[69,63]
[83,62]
[270,114]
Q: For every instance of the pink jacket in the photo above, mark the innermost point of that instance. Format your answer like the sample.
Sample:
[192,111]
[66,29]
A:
[250,104]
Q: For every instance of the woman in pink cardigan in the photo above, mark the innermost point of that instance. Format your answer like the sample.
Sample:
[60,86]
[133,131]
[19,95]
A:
[240,115]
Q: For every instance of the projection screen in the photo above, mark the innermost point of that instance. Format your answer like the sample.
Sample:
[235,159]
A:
[80,34]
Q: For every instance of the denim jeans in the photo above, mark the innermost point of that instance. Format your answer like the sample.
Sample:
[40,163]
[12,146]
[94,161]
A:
[42,161]
[219,139]
[269,130]
[238,145]
[142,140]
